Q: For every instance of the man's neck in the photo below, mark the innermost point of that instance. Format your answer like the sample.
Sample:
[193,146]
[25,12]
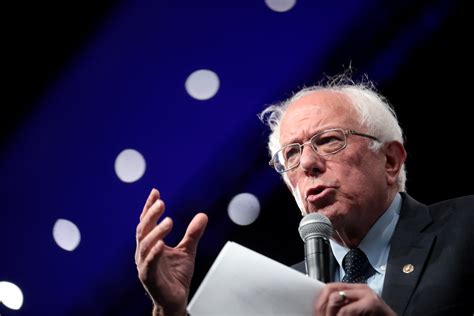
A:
[352,235]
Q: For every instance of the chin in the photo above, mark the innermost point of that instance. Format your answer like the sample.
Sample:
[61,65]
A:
[323,206]
[332,212]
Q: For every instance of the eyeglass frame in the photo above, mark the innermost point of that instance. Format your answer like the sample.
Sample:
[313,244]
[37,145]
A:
[346,132]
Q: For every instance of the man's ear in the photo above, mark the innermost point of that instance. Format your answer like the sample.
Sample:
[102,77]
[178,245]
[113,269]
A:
[395,156]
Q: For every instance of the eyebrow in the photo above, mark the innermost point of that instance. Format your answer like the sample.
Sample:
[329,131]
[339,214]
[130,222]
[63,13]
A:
[293,140]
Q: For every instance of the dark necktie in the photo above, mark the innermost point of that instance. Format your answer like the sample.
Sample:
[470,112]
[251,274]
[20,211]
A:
[357,267]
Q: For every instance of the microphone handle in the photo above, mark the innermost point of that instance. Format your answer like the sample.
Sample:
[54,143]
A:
[317,258]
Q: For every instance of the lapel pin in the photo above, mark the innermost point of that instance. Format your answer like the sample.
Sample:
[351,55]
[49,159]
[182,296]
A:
[408,268]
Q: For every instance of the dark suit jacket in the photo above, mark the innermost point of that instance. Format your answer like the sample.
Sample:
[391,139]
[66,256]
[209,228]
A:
[438,240]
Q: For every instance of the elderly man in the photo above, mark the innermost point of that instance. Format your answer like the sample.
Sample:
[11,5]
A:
[340,151]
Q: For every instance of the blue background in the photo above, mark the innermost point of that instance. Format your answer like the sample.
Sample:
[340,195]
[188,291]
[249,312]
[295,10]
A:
[84,81]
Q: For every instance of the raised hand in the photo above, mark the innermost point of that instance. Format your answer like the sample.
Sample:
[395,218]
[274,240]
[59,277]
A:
[165,271]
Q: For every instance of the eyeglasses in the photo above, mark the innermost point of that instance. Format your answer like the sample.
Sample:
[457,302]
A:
[324,143]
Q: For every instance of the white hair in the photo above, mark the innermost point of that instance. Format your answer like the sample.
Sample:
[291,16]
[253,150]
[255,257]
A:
[374,111]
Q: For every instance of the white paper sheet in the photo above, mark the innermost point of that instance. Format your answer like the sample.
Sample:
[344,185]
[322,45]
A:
[244,282]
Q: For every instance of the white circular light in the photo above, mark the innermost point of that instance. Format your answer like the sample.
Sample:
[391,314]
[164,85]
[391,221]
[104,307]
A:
[280,5]
[202,84]
[11,295]
[244,209]
[130,165]
[66,234]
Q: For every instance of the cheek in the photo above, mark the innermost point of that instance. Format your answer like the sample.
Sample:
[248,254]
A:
[296,189]
[361,174]
[299,200]
[292,180]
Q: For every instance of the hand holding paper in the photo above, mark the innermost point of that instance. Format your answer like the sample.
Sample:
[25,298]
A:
[244,282]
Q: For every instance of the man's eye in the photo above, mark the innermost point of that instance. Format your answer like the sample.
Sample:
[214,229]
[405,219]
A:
[291,152]
[327,140]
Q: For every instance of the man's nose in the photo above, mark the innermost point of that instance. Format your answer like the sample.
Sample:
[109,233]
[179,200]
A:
[311,162]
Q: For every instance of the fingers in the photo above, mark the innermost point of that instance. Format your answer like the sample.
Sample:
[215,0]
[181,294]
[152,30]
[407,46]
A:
[158,233]
[364,301]
[149,219]
[350,299]
[323,299]
[153,209]
[336,301]
[194,233]
[152,197]
[330,301]
[143,263]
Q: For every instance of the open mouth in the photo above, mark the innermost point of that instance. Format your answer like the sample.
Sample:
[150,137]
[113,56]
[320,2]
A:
[315,191]
[318,193]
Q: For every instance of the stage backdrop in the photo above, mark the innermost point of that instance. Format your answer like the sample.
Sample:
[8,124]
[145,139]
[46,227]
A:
[105,101]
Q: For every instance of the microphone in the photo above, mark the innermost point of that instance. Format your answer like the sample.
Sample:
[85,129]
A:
[315,230]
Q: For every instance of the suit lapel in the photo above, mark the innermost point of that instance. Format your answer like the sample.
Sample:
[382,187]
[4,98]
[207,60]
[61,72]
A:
[408,253]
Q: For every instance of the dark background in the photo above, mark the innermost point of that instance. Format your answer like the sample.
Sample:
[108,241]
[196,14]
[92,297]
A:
[87,80]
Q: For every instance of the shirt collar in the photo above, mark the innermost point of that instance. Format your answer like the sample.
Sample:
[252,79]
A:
[376,243]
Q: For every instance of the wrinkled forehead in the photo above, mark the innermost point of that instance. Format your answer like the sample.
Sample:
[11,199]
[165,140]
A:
[316,111]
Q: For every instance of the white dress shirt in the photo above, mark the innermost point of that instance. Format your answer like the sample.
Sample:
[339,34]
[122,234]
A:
[376,245]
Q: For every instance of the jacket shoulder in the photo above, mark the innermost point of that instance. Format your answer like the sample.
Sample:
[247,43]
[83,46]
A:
[455,213]
[461,206]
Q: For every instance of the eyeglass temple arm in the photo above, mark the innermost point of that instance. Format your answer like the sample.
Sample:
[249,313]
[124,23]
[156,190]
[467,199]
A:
[350,131]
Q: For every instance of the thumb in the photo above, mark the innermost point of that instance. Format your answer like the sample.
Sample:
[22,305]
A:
[194,233]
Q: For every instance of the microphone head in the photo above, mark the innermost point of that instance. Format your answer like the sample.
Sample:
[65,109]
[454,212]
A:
[315,225]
